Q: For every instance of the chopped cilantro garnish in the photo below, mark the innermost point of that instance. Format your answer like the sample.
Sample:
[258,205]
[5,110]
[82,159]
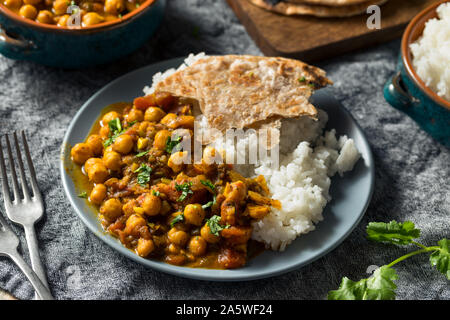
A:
[116,129]
[138,5]
[144,172]
[172,144]
[302,79]
[83,195]
[210,203]
[185,189]
[141,154]
[155,193]
[208,184]
[178,218]
[120,16]
[214,226]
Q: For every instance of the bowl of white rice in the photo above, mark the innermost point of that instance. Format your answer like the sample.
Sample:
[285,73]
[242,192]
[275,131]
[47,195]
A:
[421,86]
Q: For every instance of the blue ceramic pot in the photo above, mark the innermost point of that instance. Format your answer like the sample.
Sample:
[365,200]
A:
[407,92]
[24,39]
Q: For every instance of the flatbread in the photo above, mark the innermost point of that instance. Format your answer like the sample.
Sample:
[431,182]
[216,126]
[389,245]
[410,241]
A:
[247,91]
[333,3]
[317,10]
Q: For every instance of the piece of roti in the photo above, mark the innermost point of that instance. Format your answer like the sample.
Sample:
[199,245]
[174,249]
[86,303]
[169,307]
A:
[247,91]
[323,11]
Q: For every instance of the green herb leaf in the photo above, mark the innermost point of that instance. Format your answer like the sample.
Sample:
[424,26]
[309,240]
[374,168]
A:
[210,203]
[185,189]
[392,232]
[302,79]
[172,145]
[83,195]
[441,258]
[144,172]
[380,286]
[215,226]
[138,5]
[208,184]
[115,128]
[178,218]
[156,193]
[141,154]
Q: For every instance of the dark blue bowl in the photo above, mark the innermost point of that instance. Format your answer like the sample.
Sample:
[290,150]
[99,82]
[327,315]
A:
[24,39]
[407,92]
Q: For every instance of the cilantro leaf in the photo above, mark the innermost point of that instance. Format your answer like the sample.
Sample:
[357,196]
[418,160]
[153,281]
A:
[141,154]
[392,232]
[156,193]
[83,195]
[185,189]
[214,226]
[208,184]
[172,144]
[116,129]
[441,258]
[210,203]
[178,218]
[380,286]
[302,79]
[144,172]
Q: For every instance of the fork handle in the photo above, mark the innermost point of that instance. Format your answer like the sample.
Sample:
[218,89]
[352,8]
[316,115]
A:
[32,242]
[40,288]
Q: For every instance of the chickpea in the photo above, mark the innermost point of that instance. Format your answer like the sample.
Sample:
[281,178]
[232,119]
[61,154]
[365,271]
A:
[32,2]
[60,7]
[98,173]
[98,194]
[62,22]
[114,6]
[128,208]
[90,162]
[135,115]
[109,117]
[45,16]
[111,209]
[206,234]
[177,160]
[145,247]
[197,246]
[92,18]
[154,114]
[112,160]
[151,205]
[13,4]
[28,11]
[178,237]
[161,139]
[133,224]
[123,144]
[80,153]
[194,214]
[104,131]
[169,119]
[94,141]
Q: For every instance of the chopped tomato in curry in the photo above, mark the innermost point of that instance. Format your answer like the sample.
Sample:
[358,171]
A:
[196,215]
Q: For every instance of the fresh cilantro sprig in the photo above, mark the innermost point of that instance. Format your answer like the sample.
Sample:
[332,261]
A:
[178,218]
[141,154]
[210,185]
[173,145]
[115,130]
[185,189]
[381,286]
[143,172]
[83,195]
[214,225]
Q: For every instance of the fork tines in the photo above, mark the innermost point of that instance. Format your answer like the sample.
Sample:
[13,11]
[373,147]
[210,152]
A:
[15,183]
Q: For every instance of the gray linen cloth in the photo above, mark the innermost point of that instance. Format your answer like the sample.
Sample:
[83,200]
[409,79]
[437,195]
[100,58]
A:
[412,173]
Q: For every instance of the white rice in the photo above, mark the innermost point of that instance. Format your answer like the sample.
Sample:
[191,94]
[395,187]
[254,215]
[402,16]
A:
[432,53]
[302,180]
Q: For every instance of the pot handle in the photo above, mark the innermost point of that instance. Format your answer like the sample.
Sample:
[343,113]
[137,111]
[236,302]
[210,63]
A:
[15,47]
[395,93]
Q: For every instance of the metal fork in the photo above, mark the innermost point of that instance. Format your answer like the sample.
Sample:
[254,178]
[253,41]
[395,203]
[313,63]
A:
[8,247]
[28,210]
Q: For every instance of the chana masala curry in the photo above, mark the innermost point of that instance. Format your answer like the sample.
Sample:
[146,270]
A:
[55,12]
[196,215]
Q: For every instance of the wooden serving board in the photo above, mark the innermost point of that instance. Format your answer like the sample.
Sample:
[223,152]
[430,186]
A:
[311,39]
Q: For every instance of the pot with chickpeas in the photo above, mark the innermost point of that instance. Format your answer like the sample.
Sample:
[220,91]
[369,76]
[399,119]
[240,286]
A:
[76,33]
[133,170]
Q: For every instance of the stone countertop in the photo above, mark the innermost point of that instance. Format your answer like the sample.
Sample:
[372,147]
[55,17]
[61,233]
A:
[412,173]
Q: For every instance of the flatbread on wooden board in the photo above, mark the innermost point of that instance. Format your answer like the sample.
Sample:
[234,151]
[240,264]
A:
[245,91]
[332,3]
[322,11]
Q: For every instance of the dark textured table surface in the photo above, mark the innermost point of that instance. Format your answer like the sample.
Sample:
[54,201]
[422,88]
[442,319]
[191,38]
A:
[412,173]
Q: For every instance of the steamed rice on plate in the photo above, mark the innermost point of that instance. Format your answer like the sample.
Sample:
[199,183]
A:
[309,157]
[431,53]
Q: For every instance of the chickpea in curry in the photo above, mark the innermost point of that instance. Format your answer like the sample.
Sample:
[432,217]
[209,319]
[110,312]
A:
[56,12]
[186,214]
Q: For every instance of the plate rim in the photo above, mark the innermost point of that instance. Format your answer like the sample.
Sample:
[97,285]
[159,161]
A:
[195,273]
